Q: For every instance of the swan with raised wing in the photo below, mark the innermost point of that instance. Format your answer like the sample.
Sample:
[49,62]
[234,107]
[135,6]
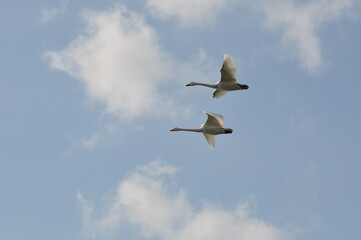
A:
[228,81]
[213,126]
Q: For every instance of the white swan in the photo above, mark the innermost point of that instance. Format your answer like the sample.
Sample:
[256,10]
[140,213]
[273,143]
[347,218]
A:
[213,126]
[228,81]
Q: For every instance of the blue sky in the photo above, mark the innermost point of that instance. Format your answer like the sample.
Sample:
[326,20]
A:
[90,89]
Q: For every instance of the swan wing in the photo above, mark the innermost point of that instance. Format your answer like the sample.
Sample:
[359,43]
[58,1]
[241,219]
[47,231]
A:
[214,120]
[210,139]
[228,70]
[218,93]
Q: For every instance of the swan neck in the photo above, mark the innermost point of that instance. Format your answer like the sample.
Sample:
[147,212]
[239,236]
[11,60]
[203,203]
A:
[206,85]
[189,129]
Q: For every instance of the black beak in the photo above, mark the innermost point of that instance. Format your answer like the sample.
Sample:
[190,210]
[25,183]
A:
[228,130]
[244,86]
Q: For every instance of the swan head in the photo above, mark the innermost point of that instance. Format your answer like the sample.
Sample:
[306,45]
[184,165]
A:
[190,84]
[228,130]
[175,129]
[243,86]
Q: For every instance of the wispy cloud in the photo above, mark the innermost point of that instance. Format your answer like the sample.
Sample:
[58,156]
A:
[299,24]
[49,13]
[147,200]
[303,123]
[107,132]
[190,13]
[122,65]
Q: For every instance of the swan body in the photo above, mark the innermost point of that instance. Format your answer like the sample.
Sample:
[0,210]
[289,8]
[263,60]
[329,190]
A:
[213,126]
[228,81]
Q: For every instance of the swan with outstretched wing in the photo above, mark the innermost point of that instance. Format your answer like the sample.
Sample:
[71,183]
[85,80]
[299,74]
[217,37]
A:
[213,126]
[228,81]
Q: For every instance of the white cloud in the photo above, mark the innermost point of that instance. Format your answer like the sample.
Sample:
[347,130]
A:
[300,23]
[49,13]
[119,60]
[149,201]
[189,12]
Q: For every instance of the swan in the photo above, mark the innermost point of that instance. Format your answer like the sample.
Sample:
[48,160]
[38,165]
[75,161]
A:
[213,126]
[228,81]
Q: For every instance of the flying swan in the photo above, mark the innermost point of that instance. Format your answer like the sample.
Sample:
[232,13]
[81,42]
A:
[228,81]
[213,126]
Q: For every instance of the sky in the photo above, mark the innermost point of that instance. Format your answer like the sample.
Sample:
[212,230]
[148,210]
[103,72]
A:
[90,89]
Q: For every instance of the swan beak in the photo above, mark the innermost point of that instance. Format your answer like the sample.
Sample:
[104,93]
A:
[188,85]
[244,86]
[172,130]
[228,130]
